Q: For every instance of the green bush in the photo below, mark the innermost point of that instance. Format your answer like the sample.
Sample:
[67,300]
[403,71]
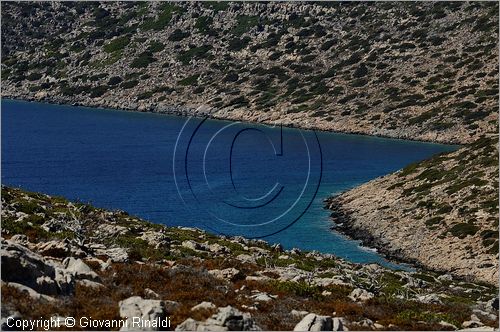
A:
[129,84]
[237,44]
[156,46]
[98,91]
[462,230]
[190,80]
[195,52]
[115,80]
[167,9]
[203,24]
[178,35]
[244,23]
[117,44]
[143,60]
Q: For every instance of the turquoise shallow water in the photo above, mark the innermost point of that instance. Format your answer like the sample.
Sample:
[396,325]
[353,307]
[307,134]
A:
[226,177]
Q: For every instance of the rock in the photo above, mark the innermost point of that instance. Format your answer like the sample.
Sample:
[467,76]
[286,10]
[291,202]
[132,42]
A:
[430,298]
[136,306]
[118,255]
[12,318]
[365,323]
[326,282]
[492,305]
[246,258]
[360,295]
[216,248]
[226,319]
[31,292]
[54,248]
[257,278]
[263,297]
[490,316]
[338,324]
[447,325]
[171,306]
[191,245]
[313,322]
[445,277]
[80,269]
[472,324]
[22,266]
[188,325]
[480,329]
[151,294]
[111,230]
[204,306]
[227,274]
[299,313]
[157,240]
[20,239]
[89,283]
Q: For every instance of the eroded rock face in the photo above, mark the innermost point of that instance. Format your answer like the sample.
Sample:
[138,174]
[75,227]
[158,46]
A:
[313,322]
[136,306]
[79,269]
[226,319]
[21,265]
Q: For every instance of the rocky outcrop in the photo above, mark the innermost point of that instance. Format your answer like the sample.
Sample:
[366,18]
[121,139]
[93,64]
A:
[313,322]
[441,213]
[146,310]
[226,319]
[22,266]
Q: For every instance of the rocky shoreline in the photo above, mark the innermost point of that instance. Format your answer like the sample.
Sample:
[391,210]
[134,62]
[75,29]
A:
[63,259]
[441,214]
[186,111]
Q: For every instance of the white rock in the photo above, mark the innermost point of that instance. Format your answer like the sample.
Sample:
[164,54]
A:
[360,295]
[429,298]
[136,306]
[151,294]
[204,306]
[313,322]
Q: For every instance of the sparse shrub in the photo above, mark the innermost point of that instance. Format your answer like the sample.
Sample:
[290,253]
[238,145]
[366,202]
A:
[463,230]
[117,44]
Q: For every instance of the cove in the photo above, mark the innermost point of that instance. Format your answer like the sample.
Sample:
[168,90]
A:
[195,173]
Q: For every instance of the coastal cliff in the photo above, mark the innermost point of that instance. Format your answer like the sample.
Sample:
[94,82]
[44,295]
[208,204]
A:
[415,70]
[69,259]
[441,213]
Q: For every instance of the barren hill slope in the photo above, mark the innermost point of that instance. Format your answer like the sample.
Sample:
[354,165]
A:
[425,70]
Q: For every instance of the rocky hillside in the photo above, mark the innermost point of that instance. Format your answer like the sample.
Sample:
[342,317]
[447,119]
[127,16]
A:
[64,259]
[441,213]
[417,70]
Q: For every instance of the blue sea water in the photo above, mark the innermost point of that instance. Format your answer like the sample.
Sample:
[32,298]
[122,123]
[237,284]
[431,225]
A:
[226,177]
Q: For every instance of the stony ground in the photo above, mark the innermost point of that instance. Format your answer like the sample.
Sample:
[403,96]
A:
[442,212]
[416,70]
[63,258]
